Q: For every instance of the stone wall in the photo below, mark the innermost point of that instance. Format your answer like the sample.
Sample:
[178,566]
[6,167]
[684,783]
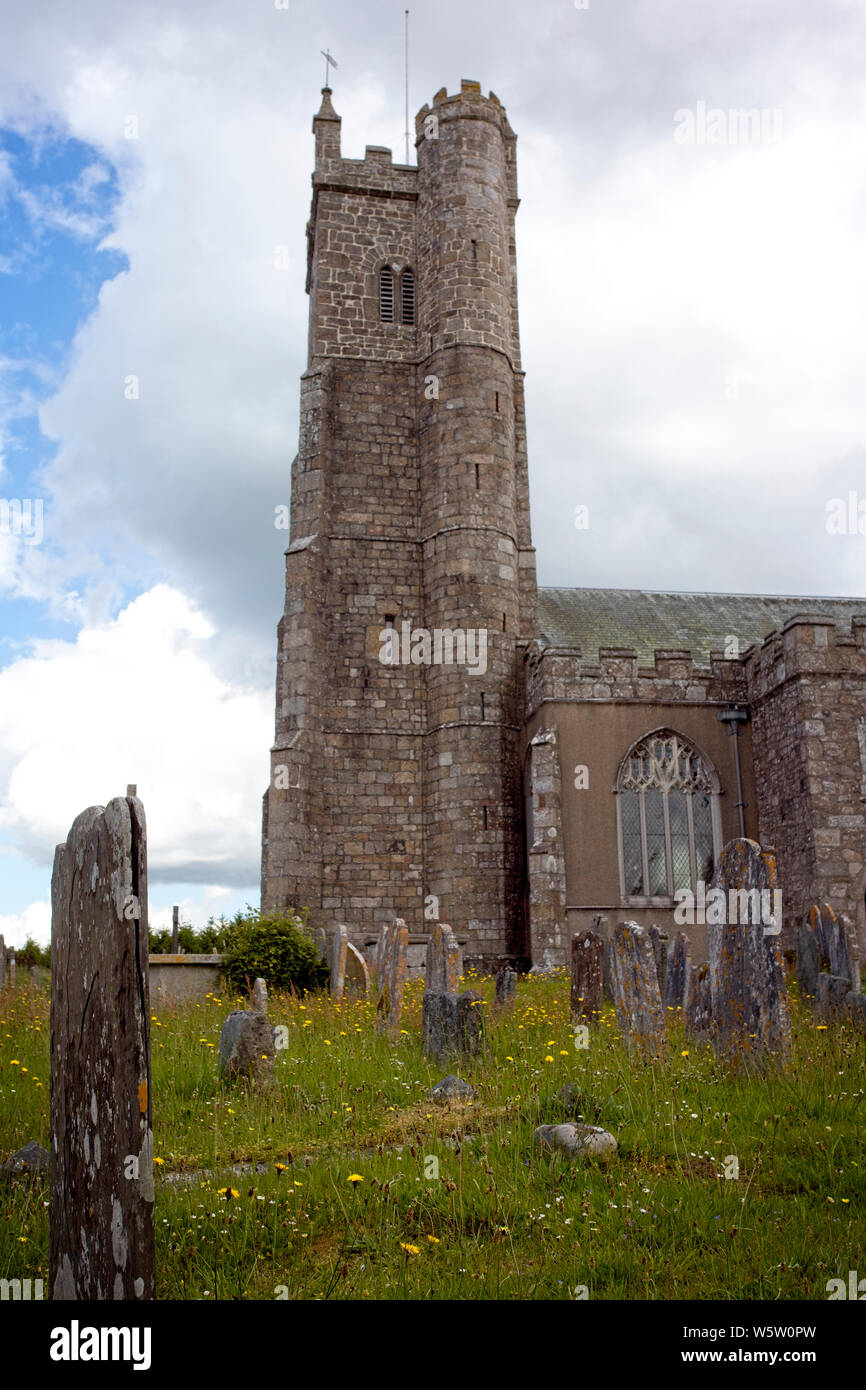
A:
[807,691]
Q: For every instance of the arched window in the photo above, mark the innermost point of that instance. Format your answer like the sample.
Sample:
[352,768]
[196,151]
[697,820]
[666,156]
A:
[667,817]
[386,294]
[407,296]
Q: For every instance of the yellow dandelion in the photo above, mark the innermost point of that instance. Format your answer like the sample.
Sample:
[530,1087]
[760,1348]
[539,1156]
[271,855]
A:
[509,1059]
[281,1167]
[410,1249]
[434,1240]
[354,1177]
[160,1162]
[685,1052]
[548,1059]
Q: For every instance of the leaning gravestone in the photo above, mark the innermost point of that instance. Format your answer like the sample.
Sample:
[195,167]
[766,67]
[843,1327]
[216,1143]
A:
[2,962]
[101,1184]
[749,1002]
[587,975]
[392,968]
[636,990]
[678,972]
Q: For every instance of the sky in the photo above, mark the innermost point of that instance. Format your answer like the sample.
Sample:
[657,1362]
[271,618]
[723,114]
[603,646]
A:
[692,292]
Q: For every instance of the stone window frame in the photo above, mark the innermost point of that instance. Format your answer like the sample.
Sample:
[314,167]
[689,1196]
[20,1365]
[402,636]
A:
[397,272]
[712,786]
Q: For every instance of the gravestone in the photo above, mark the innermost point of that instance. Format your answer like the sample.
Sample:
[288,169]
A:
[831,996]
[101,1183]
[699,1004]
[321,942]
[636,990]
[750,1020]
[392,969]
[357,979]
[175,929]
[587,975]
[34,976]
[470,1023]
[10,959]
[337,949]
[2,962]
[659,942]
[440,1015]
[506,987]
[678,972]
[260,996]
[246,1047]
[826,944]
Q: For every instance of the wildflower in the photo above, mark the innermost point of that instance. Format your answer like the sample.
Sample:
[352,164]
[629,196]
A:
[281,1167]
[160,1162]
[548,1059]
[228,1192]
[509,1059]
[821,1028]
[685,1052]
[327,1042]
[354,1177]
[410,1249]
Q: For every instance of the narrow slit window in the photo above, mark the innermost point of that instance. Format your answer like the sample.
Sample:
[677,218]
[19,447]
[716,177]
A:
[503,622]
[407,297]
[484,809]
[482,705]
[386,294]
[475,250]
[497,400]
[477,477]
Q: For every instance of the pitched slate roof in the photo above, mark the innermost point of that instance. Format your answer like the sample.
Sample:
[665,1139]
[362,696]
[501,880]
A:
[593,618]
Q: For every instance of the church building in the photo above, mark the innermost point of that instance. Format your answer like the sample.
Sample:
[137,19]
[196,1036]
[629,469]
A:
[453,742]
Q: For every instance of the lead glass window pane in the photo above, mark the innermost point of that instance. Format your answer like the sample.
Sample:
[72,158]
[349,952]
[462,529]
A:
[631,844]
[655,842]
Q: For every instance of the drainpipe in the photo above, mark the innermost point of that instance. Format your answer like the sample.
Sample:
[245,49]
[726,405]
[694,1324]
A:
[734,716]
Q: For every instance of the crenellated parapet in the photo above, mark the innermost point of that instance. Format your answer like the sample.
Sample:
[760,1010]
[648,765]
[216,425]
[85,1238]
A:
[558,674]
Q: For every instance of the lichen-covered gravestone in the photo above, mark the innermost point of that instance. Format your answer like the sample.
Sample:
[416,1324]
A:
[260,996]
[12,966]
[636,990]
[678,972]
[392,969]
[101,1202]
[450,1023]
[699,1004]
[587,975]
[828,960]
[750,1020]
[659,942]
[2,962]
[246,1047]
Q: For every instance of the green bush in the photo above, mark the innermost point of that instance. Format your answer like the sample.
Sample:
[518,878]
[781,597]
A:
[31,953]
[275,947]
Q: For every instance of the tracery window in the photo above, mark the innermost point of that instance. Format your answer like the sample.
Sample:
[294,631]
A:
[667,816]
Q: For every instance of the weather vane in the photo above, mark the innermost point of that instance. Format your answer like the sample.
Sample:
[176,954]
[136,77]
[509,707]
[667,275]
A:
[328,60]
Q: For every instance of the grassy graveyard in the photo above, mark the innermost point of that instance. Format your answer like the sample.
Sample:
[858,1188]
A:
[343,1180]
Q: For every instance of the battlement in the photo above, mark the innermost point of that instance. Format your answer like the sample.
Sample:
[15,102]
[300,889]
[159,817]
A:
[807,645]
[557,673]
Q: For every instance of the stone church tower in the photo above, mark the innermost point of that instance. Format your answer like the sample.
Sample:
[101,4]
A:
[396,782]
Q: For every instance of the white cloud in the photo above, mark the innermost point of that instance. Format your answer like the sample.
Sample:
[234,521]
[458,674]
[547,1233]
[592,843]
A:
[137,700]
[34,921]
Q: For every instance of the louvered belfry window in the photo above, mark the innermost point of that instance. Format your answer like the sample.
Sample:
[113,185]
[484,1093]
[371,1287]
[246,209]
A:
[407,297]
[386,294]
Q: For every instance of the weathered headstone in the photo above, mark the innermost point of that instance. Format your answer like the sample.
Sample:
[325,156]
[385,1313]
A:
[246,1047]
[678,972]
[441,1019]
[699,1004]
[831,996]
[101,1186]
[357,980]
[636,990]
[506,987]
[175,929]
[659,942]
[749,1001]
[392,969]
[470,1023]
[337,939]
[826,944]
[2,962]
[260,996]
[321,944]
[587,975]
[34,976]
[12,966]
